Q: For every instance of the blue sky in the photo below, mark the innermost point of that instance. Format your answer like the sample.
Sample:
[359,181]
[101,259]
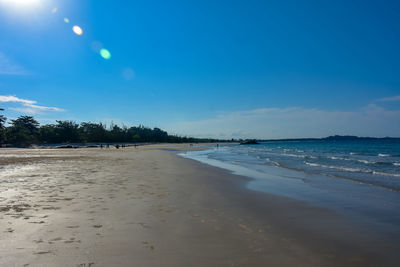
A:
[268,69]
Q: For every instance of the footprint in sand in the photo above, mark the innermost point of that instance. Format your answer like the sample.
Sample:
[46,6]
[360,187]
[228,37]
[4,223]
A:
[42,252]
[245,228]
[147,245]
[144,225]
[72,240]
[85,264]
[40,222]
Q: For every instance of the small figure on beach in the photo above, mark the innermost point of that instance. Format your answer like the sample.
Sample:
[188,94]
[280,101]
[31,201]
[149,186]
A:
[217,145]
[101,146]
[117,146]
[108,146]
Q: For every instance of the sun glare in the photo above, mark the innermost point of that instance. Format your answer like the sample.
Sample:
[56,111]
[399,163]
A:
[22,6]
[21,3]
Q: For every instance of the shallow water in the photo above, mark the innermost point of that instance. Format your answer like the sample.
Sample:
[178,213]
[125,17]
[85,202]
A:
[360,179]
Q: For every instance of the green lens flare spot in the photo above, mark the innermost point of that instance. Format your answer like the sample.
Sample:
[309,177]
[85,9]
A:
[66,20]
[104,53]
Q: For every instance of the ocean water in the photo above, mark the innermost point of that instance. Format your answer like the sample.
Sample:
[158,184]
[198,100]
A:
[357,177]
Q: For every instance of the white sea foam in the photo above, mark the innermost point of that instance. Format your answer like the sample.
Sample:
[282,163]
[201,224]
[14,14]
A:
[273,162]
[293,155]
[352,169]
[298,156]
[387,174]
[338,167]
[366,161]
[358,160]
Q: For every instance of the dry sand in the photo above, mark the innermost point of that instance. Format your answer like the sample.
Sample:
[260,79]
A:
[149,207]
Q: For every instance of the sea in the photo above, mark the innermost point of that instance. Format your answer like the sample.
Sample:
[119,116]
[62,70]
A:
[358,178]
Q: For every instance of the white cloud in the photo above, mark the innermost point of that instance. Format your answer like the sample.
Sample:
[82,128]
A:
[294,122]
[10,98]
[28,106]
[390,99]
[43,108]
[8,67]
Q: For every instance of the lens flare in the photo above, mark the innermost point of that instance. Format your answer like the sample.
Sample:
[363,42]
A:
[77,30]
[54,10]
[66,20]
[128,74]
[104,53]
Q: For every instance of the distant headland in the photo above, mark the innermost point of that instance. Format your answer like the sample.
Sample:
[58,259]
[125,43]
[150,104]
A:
[333,138]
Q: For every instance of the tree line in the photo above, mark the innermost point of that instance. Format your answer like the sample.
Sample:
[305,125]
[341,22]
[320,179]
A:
[26,130]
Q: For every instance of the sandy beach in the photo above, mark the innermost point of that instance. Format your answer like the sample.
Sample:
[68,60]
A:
[146,206]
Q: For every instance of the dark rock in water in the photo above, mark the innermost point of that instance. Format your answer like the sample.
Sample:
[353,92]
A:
[67,146]
[249,142]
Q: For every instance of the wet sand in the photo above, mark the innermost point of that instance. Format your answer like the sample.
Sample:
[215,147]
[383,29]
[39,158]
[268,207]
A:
[146,206]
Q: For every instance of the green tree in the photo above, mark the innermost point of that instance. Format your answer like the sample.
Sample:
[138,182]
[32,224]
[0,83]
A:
[93,132]
[23,131]
[67,131]
[48,134]
[26,122]
[3,119]
[116,134]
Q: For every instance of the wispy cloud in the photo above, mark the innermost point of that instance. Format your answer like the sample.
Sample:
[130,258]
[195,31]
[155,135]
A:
[11,98]
[27,106]
[8,67]
[293,122]
[390,99]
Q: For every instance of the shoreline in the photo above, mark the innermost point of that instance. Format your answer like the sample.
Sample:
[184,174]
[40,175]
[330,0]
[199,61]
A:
[374,207]
[150,207]
[320,223]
